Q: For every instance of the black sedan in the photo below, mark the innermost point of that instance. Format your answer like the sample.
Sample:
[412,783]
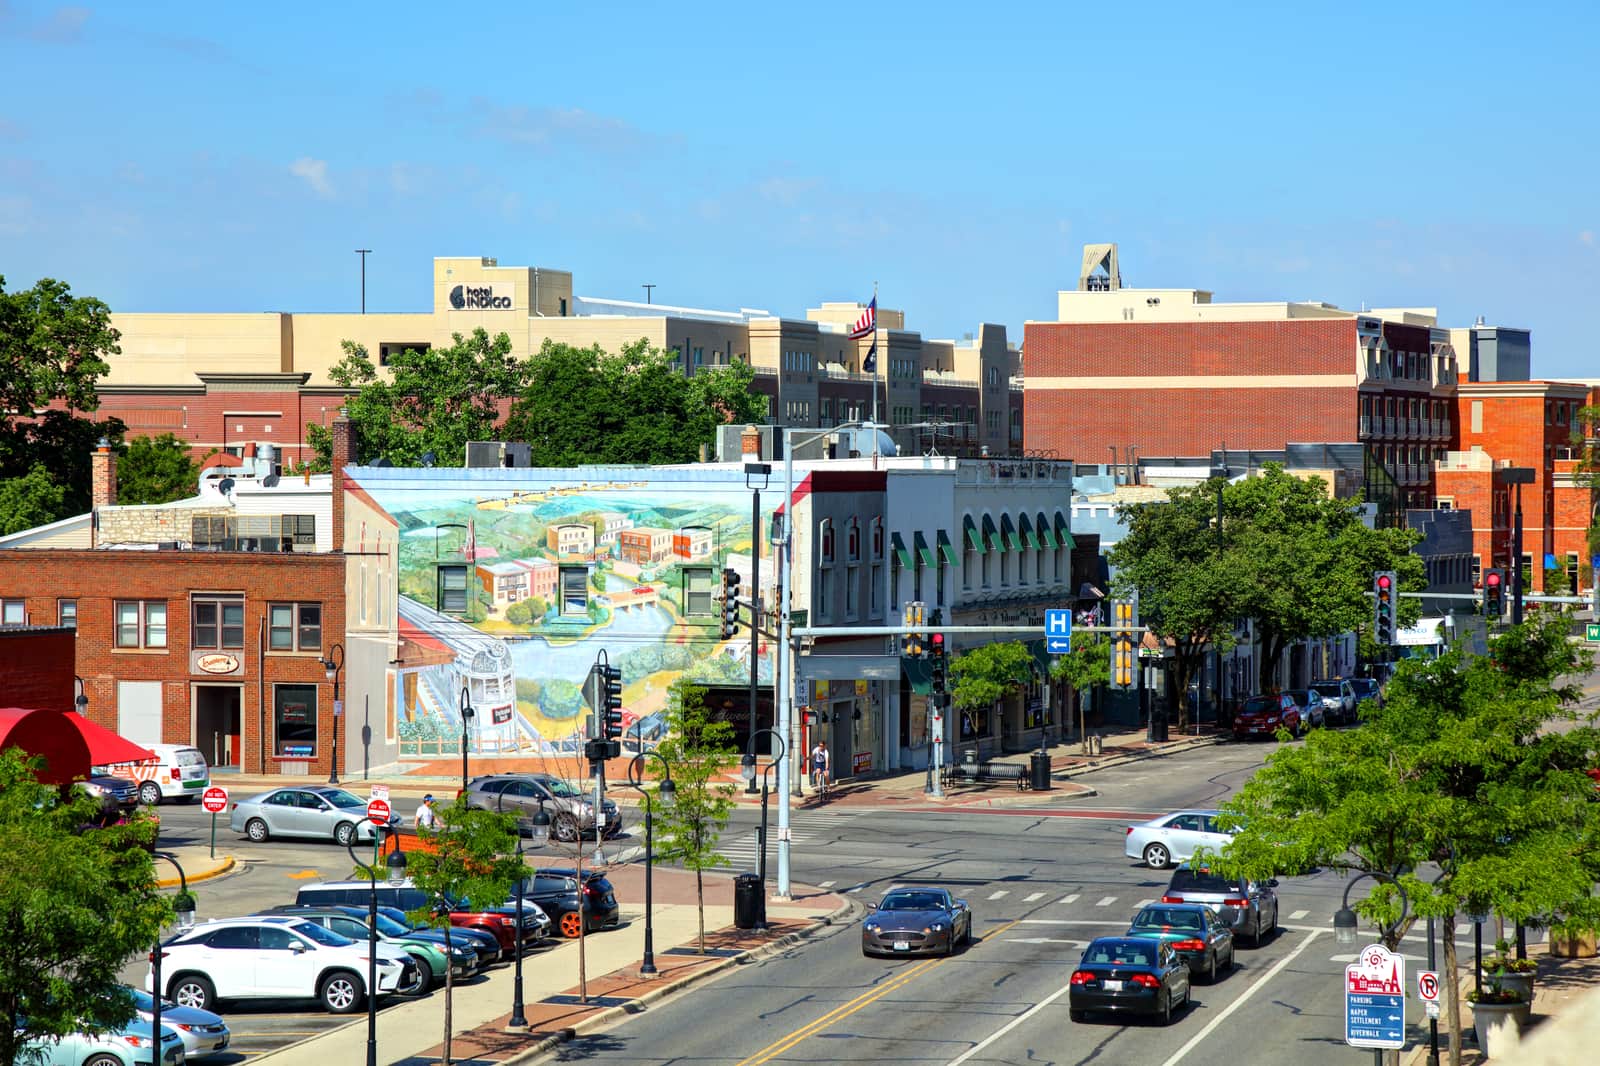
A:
[556,891]
[1198,936]
[916,921]
[1127,974]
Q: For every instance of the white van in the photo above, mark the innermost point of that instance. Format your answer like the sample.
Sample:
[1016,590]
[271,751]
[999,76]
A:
[177,772]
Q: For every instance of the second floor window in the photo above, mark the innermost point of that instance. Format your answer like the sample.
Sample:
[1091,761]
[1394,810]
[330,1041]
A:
[141,623]
[217,622]
[294,627]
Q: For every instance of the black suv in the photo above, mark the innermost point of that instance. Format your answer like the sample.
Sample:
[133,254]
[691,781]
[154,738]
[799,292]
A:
[556,891]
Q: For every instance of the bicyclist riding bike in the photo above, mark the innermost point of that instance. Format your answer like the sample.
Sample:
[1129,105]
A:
[821,767]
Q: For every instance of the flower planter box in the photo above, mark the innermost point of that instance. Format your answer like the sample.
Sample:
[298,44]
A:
[1490,1022]
[1519,983]
[1575,945]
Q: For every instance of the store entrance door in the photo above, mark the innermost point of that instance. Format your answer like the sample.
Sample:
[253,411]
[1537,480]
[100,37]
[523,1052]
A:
[216,723]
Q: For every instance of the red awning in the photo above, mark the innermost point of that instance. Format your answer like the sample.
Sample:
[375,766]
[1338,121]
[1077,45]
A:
[104,745]
[43,733]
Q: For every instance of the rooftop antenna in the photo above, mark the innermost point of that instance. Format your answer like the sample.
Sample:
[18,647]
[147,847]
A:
[362,252]
[648,289]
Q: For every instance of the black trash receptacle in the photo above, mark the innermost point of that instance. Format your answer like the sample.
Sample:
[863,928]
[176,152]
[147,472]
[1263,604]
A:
[1040,771]
[749,902]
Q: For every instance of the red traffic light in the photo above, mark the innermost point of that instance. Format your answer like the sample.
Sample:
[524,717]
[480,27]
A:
[938,641]
[1383,581]
[1491,579]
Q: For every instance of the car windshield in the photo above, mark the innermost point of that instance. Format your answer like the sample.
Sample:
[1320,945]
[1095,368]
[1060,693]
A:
[340,798]
[1365,687]
[912,901]
[1201,881]
[559,787]
[1299,695]
[387,926]
[313,931]
[1258,704]
[1327,693]
[1166,918]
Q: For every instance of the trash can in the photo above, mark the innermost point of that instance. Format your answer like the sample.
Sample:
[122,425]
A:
[1041,771]
[749,902]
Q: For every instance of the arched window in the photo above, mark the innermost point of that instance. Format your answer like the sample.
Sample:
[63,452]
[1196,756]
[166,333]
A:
[826,537]
[852,542]
[877,540]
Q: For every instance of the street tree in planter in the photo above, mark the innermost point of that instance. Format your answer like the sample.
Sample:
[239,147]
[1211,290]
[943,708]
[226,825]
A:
[1456,790]
[983,676]
[470,856]
[701,750]
[1088,664]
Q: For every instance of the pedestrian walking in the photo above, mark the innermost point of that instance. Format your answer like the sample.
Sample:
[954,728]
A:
[427,817]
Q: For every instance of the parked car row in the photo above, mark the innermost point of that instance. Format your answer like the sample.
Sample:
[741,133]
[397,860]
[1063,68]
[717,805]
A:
[1336,701]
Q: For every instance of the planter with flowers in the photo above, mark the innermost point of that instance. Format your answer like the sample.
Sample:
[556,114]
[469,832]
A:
[1506,973]
[1493,1010]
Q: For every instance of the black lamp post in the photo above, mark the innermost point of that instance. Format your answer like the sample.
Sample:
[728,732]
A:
[538,832]
[334,665]
[1219,474]
[81,700]
[748,766]
[665,795]
[752,471]
[183,911]
[395,864]
[466,717]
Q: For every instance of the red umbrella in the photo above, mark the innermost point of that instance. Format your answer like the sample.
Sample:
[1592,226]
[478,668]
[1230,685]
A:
[104,745]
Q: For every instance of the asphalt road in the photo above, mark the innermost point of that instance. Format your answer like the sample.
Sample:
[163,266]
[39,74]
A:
[1042,882]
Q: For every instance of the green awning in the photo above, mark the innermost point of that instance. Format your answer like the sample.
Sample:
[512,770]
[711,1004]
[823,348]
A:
[1046,537]
[900,552]
[924,552]
[991,536]
[970,535]
[1026,528]
[919,672]
[1064,531]
[1009,532]
[946,549]
[1040,656]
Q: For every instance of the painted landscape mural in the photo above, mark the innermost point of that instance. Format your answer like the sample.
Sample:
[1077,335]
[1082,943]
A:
[508,594]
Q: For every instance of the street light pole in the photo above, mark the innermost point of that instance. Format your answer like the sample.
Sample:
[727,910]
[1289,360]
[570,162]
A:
[748,766]
[466,717]
[395,866]
[538,832]
[334,666]
[752,471]
[1220,474]
[183,911]
[363,253]
[665,794]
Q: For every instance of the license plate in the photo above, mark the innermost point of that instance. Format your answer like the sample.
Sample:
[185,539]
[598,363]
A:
[1113,986]
[902,945]
[610,900]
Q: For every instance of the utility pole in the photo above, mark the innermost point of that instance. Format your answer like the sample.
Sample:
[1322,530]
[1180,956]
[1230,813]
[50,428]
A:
[647,290]
[362,252]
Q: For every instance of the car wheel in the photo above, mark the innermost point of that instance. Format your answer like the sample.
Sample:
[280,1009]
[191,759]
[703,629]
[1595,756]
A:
[1157,857]
[570,925]
[257,831]
[1166,1010]
[1231,959]
[192,990]
[103,1060]
[1255,932]
[344,834]
[419,981]
[149,793]
[564,828]
[1211,968]
[340,992]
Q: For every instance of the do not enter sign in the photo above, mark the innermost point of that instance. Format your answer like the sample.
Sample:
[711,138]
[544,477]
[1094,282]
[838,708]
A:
[378,810]
[214,799]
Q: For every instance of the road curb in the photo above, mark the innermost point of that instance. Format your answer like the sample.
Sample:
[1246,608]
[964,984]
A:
[225,867]
[1122,760]
[672,986]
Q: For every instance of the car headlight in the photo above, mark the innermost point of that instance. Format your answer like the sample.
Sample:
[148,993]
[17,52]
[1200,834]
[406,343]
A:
[938,927]
[871,927]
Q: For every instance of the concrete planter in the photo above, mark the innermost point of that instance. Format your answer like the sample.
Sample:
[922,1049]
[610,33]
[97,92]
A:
[1490,1022]
[1579,944]
[1519,984]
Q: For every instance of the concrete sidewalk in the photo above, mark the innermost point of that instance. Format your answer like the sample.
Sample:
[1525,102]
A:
[410,1033]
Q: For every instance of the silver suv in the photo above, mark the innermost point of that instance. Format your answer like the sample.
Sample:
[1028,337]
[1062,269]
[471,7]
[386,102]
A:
[1249,908]
[1338,699]
[571,810]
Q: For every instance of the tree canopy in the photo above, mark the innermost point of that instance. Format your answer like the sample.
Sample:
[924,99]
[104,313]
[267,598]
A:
[989,672]
[156,470]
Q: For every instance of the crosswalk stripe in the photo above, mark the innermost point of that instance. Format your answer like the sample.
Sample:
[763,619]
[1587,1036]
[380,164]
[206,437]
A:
[1002,894]
[1032,897]
[1070,899]
[827,884]
[1144,903]
[1108,901]
[1297,915]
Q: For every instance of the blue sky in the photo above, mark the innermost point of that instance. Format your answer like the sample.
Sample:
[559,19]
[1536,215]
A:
[227,157]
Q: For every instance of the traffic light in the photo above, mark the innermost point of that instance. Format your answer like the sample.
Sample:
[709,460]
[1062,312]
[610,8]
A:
[936,656]
[1125,642]
[914,645]
[609,688]
[730,603]
[1494,593]
[1383,598]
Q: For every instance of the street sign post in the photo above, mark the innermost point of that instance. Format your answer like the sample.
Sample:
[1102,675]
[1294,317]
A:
[378,811]
[214,800]
[1591,632]
[1058,631]
[1428,986]
[1374,999]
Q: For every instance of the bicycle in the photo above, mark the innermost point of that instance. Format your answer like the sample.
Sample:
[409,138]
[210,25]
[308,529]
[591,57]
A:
[819,782]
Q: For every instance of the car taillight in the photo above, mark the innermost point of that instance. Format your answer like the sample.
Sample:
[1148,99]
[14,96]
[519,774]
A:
[503,920]
[1171,899]
[234,807]
[1188,945]
[175,775]
[1129,832]
[1081,977]
[152,956]
[1235,902]
[1144,980]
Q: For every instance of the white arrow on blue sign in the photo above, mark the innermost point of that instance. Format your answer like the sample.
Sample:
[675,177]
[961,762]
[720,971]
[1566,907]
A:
[1058,631]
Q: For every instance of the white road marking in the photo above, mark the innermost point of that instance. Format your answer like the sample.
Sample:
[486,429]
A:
[1074,921]
[855,888]
[1002,894]
[1044,940]
[1222,1015]
[1033,897]
[830,884]
[1012,1024]
[1297,915]
[1070,899]
[1144,903]
[1108,901]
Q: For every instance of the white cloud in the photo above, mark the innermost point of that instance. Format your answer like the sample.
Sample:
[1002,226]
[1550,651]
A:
[314,172]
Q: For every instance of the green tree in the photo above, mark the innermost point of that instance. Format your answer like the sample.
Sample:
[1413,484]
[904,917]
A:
[430,401]
[156,470]
[470,857]
[1586,439]
[988,673]
[1466,788]
[1088,664]
[32,500]
[700,749]
[69,933]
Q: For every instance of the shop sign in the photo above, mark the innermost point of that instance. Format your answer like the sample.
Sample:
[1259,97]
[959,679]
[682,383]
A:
[297,750]
[862,762]
[489,297]
[215,662]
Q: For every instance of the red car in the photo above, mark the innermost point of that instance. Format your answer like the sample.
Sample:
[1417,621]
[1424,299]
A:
[1263,716]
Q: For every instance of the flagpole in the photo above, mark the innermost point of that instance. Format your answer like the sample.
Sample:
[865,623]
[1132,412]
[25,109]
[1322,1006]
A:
[875,369]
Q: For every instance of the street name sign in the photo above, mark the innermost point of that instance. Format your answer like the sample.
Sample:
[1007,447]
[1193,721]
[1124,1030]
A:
[1375,1000]
[1591,632]
[214,799]
[1058,631]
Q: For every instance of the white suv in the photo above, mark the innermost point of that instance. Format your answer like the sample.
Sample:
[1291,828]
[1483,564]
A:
[273,958]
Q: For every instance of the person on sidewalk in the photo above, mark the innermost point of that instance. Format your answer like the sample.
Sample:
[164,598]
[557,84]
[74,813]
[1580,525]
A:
[821,766]
[427,817]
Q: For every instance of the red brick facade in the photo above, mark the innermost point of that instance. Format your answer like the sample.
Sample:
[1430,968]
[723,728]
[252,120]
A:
[197,707]
[37,666]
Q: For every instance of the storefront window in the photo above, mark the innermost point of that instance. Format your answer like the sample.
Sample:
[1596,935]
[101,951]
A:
[974,722]
[294,719]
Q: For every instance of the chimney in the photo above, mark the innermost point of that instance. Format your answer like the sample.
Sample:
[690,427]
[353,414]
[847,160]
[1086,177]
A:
[750,444]
[344,454]
[103,479]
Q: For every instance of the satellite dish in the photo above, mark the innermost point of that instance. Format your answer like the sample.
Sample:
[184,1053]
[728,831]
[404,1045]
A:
[428,459]
[270,481]
[225,486]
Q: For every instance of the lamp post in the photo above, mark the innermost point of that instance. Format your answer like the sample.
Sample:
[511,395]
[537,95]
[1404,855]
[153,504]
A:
[1344,920]
[538,832]
[183,912]
[1478,915]
[748,767]
[785,726]
[395,865]
[1219,474]
[753,471]
[466,718]
[81,700]
[334,665]
[665,795]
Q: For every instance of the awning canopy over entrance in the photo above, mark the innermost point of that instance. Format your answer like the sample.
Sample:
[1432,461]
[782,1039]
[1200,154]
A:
[45,734]
[919,672]
[969,534]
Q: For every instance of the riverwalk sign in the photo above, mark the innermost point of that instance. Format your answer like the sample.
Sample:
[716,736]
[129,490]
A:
[1375,999]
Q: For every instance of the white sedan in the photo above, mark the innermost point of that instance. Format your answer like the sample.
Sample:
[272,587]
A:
[1174,838]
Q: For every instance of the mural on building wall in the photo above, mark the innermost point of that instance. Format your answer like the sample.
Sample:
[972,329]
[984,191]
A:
[509,594]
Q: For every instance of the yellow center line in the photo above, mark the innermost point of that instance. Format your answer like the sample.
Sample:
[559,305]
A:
[866,999]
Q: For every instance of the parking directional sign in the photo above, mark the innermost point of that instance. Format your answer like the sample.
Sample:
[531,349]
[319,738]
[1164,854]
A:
[1058,631]
[1375,1000]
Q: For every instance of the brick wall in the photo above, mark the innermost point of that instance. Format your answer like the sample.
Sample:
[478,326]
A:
[97,579]
[37,665]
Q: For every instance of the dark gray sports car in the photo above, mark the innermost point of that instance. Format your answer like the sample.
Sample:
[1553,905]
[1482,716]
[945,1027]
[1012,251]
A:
[916,921]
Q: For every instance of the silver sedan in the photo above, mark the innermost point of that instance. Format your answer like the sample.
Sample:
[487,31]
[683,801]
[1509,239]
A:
[323,813]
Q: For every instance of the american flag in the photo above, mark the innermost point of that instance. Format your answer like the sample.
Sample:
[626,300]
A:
[867,323]
[870,363]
